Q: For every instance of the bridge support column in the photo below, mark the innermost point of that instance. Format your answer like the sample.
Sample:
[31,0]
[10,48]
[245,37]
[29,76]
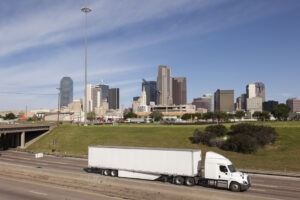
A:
[18,143]
[23,140]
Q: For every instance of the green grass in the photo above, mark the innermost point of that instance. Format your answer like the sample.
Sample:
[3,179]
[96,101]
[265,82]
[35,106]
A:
[72,139]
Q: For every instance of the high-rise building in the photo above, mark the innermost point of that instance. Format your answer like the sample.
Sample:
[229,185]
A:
[114,98]
[204,102]
[294,104]
[254,104]
[250,88]
[256,95]
[164,85]
[256,90]
[151,90]
[179,90]
[224,100]
[260,90]
[66,91]
[241,102]
[269,105]
[89,99]
[103,88]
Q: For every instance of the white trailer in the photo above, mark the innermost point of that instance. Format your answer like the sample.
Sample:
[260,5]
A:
[179,166]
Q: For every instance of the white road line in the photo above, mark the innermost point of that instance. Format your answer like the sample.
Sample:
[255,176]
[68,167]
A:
[38,193]
[263,185]
[259,190]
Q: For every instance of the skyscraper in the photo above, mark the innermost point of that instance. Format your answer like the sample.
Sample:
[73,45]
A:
[256,89]
[256,95]
[179,90]
[113,98]
[224,100]
[260,90]
[164,85]
[66,91]
[151,91]
[206,101]
[103,88]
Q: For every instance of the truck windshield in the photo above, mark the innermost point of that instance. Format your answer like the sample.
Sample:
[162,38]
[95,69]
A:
[231,168]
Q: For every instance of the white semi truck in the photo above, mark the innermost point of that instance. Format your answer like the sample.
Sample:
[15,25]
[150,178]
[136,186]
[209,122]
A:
[178,166]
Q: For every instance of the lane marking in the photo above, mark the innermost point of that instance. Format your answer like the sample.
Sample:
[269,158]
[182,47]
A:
[255,189]
[38,193]
[263,185]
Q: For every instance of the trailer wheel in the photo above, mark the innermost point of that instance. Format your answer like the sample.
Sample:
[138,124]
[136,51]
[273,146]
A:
[114,173]
[190,181]
[235,187]
[165,179]
[106,172]
[179,180]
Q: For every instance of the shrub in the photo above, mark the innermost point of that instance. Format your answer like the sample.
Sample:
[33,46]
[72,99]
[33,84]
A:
[219,130]
[244,138]
[240,143]
[205,138]
[263,134]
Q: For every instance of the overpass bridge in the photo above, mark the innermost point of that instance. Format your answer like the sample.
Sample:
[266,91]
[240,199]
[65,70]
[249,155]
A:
[12,136]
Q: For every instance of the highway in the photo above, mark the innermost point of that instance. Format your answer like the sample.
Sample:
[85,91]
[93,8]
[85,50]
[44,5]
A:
[22,176]
[13,189]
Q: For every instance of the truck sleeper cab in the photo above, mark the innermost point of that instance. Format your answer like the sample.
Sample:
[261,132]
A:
[220,172]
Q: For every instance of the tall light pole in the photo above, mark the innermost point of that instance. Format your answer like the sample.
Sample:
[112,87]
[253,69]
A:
[86,10]
[58,105]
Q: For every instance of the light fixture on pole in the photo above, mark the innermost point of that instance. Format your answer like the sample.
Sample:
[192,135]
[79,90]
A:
[86,11]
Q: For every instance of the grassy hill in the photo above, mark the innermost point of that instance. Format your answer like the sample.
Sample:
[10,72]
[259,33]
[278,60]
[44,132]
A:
[71,139]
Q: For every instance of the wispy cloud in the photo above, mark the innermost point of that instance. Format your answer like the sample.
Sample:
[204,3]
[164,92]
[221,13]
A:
[42,41]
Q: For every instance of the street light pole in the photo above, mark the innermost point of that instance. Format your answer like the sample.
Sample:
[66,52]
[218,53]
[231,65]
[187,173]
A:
[86,10]
[58,105]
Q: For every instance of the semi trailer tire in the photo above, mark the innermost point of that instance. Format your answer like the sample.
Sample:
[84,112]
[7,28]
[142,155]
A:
[179,180]
[190,181]
[114,173]
[106,172]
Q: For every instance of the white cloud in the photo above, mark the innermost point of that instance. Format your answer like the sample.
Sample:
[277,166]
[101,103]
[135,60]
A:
[50,35]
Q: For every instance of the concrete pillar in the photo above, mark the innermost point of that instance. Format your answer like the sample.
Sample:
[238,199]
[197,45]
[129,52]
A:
[18,140]
[23,139]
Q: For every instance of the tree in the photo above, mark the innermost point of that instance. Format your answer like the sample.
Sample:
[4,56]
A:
[156,116]
[257,115]
[208,115]
[221,116]
[281,112]
[130,115]
[240,114]
[186,116]
[266,115]
[10,116]
[91,116]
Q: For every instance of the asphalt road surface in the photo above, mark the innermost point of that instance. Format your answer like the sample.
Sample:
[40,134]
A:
[13,189]
[22,176]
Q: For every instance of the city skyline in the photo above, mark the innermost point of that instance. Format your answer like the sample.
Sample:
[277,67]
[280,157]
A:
[214,44]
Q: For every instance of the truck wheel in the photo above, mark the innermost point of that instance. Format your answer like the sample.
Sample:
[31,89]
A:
[190,181]
[165,179]
[235,187]
[106,172]
[114,173]
[179,180]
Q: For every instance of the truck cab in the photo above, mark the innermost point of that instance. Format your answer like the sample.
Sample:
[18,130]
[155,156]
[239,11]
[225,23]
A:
[220,173]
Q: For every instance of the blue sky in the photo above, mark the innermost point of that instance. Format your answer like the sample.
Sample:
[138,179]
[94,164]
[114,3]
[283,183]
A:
[215,44]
